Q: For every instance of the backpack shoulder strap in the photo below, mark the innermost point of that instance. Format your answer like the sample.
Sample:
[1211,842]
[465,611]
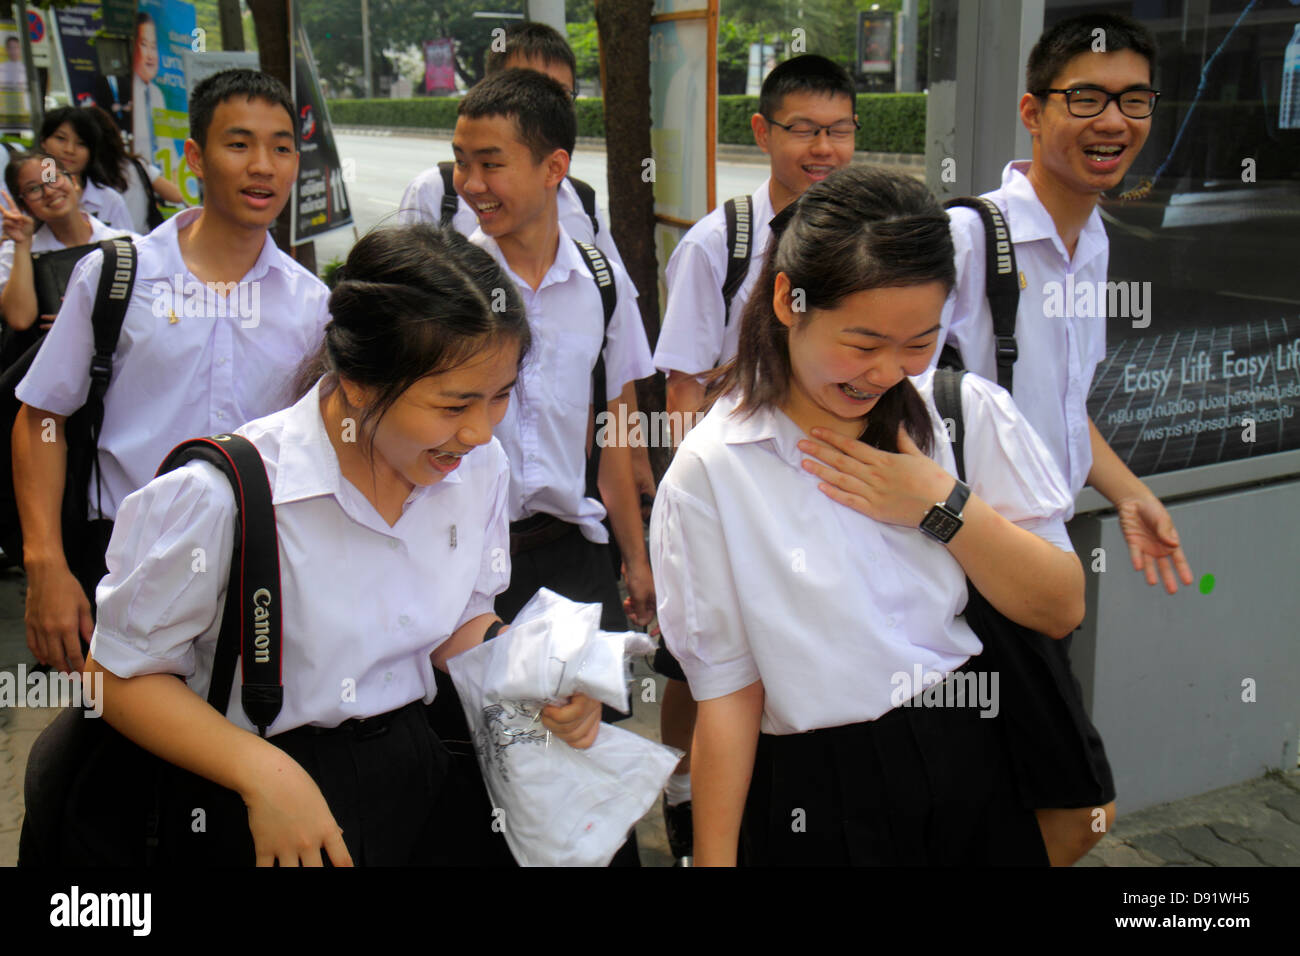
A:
[947,399]
[587,195]
[604,279]
[740,232]
[250,622]
[1001,282]
[450,198]
[113,295]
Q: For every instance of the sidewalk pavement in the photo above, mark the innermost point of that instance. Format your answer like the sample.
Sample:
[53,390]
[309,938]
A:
[1256,823]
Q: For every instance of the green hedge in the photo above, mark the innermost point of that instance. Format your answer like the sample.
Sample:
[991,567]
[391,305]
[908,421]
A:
[891,122]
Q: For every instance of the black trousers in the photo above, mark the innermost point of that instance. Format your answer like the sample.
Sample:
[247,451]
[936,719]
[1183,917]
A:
[916,787]
[581,571]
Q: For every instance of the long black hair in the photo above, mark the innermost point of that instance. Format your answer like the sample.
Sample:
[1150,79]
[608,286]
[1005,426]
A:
[84,125]
[858,229]
[412,301]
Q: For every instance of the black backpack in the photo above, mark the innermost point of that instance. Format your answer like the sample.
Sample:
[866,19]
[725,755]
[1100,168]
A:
[112,297]
[1001,286]
[586,195]
[96,798]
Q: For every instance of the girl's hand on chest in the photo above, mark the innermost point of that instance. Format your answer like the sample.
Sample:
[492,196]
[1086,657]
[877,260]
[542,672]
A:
[894,488]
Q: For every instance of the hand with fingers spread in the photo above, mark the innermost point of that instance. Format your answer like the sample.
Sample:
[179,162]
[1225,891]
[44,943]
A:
[18,226]
[1153,542]
[896,488]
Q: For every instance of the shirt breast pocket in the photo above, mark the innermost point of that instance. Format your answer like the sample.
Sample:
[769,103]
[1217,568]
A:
[569,360]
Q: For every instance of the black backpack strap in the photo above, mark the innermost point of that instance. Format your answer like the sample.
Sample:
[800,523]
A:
[740,233]
[947,399]
[450,198]
[587,196]
[116,280]
[1001,281]
[154,216]
[604,278]
[250,622]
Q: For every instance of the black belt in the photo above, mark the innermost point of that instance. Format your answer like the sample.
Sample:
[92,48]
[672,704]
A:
[537,530]
[361,728]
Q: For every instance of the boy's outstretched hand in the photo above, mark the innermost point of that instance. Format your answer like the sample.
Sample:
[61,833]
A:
[1153,541]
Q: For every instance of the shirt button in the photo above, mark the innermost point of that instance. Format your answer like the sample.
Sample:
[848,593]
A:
[221,416]
[892,621]
[388,676]
[394,544]
[532,457]
[404,621]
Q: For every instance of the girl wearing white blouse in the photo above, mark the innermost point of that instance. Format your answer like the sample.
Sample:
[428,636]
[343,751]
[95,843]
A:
[71,136]
[390,507]
[840,711]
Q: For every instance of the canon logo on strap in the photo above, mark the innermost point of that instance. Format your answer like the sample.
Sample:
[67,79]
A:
[261,626]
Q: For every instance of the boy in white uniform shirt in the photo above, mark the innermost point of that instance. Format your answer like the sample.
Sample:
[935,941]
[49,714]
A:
[186,364]
[514,135]
[800,98]
[1083,144]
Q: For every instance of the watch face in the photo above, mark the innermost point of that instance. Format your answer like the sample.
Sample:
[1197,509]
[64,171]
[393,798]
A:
[940,524]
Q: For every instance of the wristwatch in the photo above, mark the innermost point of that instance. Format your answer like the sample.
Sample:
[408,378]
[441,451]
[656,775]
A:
[943,520]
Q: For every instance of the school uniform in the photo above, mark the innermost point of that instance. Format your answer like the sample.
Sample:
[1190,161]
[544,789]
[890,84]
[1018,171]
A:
[422,202]
[1058,355]
[106,204]
[177,371]
[44,240]
[760,575]
[137,193]
[697,334]
[363,604]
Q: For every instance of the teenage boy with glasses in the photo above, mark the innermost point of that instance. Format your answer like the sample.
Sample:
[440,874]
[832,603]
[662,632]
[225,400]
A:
[1081,149]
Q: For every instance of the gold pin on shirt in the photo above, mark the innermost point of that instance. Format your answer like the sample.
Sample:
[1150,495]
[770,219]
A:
[1024,283]
[173,318]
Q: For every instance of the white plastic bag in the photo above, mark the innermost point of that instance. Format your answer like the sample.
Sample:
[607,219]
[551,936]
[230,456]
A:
[562,807]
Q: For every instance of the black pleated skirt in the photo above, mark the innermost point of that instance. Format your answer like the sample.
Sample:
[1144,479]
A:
[919,786]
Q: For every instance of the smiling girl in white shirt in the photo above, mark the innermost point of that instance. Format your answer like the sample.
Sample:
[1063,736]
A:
[389,493]
[796,587]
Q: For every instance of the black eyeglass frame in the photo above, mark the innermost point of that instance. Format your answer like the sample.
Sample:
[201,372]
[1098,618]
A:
[789,127]
[1155,98]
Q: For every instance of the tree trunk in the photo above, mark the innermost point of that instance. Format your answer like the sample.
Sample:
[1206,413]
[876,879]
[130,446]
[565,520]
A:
[232,25]
[271,21]
[624,27]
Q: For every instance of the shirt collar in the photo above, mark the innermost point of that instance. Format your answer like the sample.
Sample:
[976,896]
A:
[1030,221]
[308,466]
[567,259]
[163,248]
[768,425]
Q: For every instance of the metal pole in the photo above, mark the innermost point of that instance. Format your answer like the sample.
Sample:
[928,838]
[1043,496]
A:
[365,47]
[905,80]
[550,12]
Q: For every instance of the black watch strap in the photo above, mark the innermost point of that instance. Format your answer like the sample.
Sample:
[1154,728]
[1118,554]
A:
[957,500]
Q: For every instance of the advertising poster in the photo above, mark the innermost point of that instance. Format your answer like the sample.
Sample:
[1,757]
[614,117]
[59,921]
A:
[160,123]
[439,69]
[1203,304]
[875,42]
[320,198]
[15,107]
[77,28]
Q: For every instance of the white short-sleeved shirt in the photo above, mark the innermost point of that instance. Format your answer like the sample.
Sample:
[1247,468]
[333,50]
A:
[360,601]
[107,205]
[696,335]
[761,575]
[209,371]
[422,202]
[544,431]
[44,240]
[136,195]
[1057,355]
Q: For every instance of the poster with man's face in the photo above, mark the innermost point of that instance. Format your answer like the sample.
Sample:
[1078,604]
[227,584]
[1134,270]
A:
[164,33]
[15,107]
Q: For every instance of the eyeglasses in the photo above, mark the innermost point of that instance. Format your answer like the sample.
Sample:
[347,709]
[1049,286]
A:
[806,129]
[37,190]
[1085,102]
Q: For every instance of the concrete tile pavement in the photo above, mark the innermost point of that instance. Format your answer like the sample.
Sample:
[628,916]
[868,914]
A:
[1255,823]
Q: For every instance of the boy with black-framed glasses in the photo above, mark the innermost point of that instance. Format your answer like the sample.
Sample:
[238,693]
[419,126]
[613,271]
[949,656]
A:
[1081,149]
